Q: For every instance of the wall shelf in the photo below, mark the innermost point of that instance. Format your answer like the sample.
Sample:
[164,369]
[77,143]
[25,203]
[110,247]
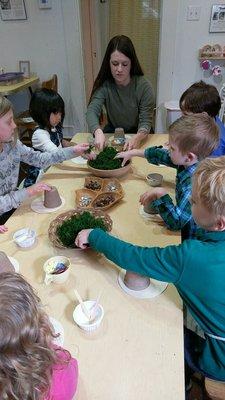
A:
[211,58]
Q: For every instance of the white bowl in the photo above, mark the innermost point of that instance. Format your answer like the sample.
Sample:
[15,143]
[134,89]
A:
[24,237]
[154,179]
[81,319]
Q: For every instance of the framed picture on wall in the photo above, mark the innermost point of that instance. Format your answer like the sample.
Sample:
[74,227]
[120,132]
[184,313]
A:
[24,67]
[217,19]
[12,10]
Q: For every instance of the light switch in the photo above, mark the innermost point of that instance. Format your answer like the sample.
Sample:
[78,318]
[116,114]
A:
[193,13]
[45,4]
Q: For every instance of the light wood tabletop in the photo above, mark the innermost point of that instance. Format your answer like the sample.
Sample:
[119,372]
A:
[137,352]
[6,90]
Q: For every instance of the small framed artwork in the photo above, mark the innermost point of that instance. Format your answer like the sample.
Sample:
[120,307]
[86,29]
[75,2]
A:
[25,68]
[12,10]
[217,19]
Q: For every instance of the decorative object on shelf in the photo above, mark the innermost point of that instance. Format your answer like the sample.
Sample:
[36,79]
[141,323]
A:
[216,50]
[206,65]
[9,78]
[206,51]
[211,51]
[12,10]
[24,67]
[217,70]
[217,18]
[64,228]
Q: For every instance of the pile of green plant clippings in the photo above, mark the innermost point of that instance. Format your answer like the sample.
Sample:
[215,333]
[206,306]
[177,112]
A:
[69,229]
[105,160]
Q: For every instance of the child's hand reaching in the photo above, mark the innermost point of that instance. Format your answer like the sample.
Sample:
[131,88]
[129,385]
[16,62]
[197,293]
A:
[152,195]
[81,149]
[82,238]
[3,229]
[37,188]
[127,155]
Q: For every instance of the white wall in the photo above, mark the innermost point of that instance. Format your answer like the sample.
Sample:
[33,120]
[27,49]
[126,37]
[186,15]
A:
[180,42]
[50,39]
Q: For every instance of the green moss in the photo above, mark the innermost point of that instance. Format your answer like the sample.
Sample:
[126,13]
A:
[105,160]
[69,229]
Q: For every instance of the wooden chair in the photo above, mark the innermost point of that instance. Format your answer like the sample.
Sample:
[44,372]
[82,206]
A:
[26,128]
[215,389]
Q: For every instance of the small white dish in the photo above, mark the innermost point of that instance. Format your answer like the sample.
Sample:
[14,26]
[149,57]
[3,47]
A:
[58,328]
[37,205]
[27,120]
[79,160]
[83,322]
[51,264]
[24,237]
[153,290]
[15,263]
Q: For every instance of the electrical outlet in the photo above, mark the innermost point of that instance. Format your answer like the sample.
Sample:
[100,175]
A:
[193,13]
[45,3]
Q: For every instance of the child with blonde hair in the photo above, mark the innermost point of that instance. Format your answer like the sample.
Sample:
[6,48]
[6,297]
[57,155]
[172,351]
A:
[191,138]
[196,267]
[31,365]
[12,152]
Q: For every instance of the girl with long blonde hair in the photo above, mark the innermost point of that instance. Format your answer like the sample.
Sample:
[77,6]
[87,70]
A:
[32,367]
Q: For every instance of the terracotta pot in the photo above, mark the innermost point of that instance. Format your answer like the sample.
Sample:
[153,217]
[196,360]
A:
[135,281]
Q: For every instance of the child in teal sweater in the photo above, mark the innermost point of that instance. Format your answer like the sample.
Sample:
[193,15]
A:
[196,267]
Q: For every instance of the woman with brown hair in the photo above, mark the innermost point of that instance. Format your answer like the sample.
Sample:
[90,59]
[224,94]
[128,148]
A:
[124,92]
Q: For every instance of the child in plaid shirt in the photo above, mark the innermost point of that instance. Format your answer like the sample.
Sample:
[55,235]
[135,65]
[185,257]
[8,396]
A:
[191,138]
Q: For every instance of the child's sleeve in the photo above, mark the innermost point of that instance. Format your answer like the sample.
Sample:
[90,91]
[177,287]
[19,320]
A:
[64,380]
[12,200]
[44,160]
[164,264]
[158,155]
[175,216]
[41,141]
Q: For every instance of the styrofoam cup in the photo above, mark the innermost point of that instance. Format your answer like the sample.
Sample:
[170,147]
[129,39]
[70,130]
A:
[83,322]
[24,237]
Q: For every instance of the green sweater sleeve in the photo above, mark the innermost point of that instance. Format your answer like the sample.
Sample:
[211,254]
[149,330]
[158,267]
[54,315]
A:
[94,109]
[146,106]
[164,264]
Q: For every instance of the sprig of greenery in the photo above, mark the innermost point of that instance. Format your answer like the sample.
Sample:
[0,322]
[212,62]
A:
[105,159]
[69,229]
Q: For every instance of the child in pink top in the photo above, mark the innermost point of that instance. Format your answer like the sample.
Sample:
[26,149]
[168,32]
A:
[31,366]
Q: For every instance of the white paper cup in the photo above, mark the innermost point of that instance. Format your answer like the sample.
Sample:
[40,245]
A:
[24,237]
[56,278]
[83,322]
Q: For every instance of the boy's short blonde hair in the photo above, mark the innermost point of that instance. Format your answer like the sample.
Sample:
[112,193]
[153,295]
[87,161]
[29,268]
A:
[196,133]
[209,184]
[5,106]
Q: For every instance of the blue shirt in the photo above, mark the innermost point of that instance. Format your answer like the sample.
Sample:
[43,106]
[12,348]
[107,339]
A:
[220,151]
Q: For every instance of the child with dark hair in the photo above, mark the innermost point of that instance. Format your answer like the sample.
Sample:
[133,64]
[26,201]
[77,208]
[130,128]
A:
[48,110]
[201,97]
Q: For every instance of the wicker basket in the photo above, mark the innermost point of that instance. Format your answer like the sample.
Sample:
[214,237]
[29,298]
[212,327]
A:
[112,181]
[80,201]
[116,197]
[93,179]
[67,215]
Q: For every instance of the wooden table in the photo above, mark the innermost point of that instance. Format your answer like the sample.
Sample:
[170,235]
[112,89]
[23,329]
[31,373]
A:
[6,90]
[137,353]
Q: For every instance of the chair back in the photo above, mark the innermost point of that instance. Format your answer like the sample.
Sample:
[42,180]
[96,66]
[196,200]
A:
[51,83]
[215,389]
